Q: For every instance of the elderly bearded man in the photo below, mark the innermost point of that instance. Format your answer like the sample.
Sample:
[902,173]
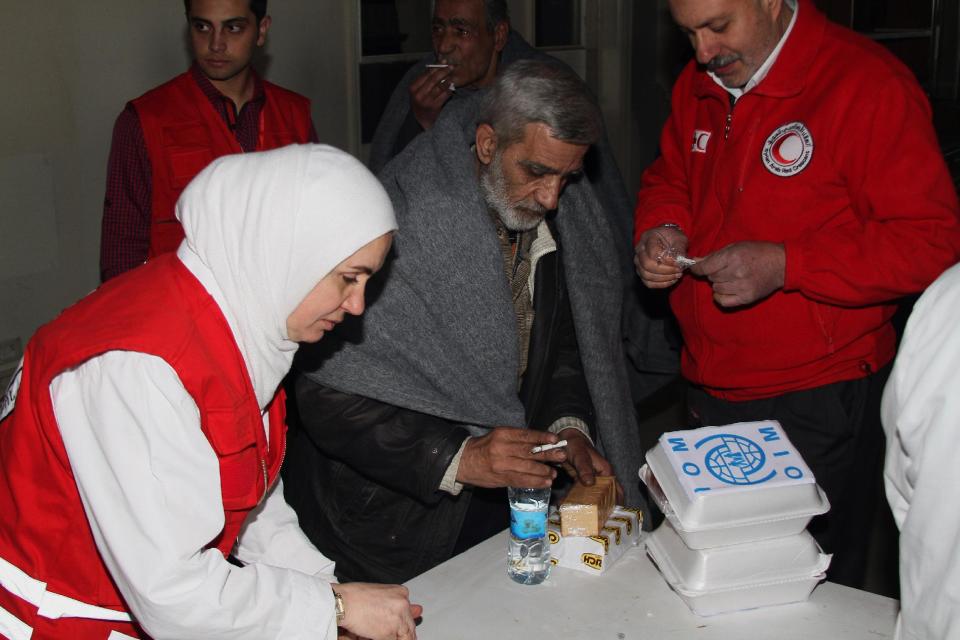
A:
[498,329]
[473,42]
[800,165]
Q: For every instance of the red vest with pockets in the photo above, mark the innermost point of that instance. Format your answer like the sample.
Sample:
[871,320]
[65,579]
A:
[184,133]
[159,309]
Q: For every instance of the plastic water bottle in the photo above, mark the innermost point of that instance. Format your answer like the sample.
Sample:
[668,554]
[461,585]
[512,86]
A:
[528,557]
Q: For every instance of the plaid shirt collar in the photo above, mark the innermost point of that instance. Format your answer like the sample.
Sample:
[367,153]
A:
[219,101]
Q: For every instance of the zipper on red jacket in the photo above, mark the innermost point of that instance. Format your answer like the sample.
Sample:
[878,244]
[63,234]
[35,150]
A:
[283,454]
[267,485]
[729,124]
[266,478]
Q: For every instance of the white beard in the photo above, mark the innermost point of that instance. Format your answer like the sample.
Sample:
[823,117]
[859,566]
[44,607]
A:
[494,186]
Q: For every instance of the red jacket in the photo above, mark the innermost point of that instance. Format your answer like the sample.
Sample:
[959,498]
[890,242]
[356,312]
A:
[184,134]
[833,155]
[159,309]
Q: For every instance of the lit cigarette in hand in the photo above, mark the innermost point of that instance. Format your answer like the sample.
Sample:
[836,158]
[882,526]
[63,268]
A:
[540,448]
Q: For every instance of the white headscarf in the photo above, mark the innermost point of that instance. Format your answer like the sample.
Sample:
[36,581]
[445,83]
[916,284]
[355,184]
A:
[268,226]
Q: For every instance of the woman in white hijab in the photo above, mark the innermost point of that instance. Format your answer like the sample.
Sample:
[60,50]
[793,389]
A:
[141,439]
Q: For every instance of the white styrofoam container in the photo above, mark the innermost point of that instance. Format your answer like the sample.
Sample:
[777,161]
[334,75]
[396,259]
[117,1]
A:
[738,577]
[720,514]
[739,564]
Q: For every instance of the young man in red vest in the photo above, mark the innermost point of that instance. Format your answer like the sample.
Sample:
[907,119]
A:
[165,137]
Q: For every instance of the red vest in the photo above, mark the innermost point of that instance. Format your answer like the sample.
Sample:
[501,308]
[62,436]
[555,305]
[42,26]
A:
[184,133]
[159,309]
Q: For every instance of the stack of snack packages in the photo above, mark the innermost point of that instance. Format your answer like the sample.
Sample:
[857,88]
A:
[736,501]
[589,531]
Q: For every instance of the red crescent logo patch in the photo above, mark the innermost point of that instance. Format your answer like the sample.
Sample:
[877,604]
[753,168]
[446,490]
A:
[788,150]
[700,140]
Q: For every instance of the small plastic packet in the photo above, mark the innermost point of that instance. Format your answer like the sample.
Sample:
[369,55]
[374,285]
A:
[681,260]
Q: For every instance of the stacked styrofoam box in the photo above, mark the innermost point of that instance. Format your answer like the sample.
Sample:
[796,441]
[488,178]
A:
[737,500]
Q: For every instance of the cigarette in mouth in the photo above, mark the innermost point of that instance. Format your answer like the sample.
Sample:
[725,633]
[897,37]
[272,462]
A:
[547,447]
[438,66]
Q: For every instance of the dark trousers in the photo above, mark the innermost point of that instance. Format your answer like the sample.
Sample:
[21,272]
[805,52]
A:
[837,430]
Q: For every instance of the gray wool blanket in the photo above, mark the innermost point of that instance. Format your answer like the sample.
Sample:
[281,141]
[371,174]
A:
[653,358]
[439,336]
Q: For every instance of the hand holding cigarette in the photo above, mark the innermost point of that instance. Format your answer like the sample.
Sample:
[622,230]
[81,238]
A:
[505,458]
[430,92]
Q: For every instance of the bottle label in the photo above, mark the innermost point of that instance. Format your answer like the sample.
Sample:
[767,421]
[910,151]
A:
[525,525]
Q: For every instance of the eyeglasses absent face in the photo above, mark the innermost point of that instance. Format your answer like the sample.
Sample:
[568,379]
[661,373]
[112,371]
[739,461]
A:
[731,38]
[462,40]
[224,35]
[339,293]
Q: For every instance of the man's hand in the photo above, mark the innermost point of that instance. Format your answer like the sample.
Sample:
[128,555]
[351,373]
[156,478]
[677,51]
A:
[502,458]
[654,256]
[378,611]
[744,272]
[428,94]
[584,462]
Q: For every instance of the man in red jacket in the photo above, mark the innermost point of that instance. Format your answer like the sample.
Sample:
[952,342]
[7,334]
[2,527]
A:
[800,170]
[165,137]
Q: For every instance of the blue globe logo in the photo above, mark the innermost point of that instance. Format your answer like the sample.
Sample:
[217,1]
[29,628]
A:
[735,459]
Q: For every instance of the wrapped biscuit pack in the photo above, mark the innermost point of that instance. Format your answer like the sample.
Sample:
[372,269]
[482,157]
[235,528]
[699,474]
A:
[584,511]
[595,554]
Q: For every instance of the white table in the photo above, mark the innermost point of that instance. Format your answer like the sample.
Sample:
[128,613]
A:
[470,597]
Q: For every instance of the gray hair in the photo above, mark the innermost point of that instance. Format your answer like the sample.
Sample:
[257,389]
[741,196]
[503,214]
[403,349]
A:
[495,12]
[530,91]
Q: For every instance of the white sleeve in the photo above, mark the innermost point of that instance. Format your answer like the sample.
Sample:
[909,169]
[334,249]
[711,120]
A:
[272,536]
[150,486]
[921,415]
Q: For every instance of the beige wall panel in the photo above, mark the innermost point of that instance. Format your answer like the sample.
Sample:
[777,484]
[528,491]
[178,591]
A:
[69,68]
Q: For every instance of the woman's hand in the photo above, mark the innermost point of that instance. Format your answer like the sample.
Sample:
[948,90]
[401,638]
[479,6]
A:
[378,611]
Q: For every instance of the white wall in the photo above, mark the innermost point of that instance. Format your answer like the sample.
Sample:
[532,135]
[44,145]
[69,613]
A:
[69,68]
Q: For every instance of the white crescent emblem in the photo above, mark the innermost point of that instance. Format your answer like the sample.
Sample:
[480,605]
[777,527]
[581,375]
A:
[788,150]
[700,140]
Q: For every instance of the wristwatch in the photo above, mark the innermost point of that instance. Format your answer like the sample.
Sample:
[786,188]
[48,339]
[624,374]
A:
[338,605]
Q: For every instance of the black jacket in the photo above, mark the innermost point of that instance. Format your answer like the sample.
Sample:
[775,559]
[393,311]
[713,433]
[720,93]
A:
[363,475]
